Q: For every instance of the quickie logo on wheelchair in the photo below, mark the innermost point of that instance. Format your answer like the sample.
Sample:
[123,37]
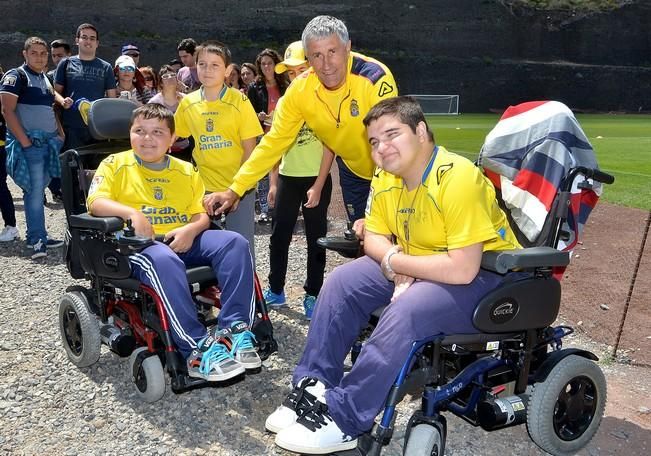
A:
[504,310]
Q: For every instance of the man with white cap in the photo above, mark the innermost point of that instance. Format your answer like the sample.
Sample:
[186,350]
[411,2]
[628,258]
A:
[332,98]
[302,181]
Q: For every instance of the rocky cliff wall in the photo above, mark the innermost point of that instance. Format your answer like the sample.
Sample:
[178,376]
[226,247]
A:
[490,54]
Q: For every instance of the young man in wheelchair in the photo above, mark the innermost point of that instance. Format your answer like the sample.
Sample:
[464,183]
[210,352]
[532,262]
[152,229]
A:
[162,196]
[429,217]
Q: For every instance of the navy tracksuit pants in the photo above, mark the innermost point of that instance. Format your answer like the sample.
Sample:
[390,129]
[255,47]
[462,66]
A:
[348,297]
[228,254]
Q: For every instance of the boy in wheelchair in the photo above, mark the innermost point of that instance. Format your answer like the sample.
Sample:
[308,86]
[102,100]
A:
[430,216]
[162,196]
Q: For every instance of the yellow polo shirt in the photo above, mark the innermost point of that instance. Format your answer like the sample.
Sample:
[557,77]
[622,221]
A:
[335,117]
[218,128]
[453,207]
[168,198]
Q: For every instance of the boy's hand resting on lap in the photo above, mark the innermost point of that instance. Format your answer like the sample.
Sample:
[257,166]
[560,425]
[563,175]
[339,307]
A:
[180,239]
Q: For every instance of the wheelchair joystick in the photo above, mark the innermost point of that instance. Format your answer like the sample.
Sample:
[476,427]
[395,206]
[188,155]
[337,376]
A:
[129,231]
[349,234]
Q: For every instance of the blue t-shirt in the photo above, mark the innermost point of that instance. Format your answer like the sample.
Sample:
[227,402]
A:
[35,98]
[88,79]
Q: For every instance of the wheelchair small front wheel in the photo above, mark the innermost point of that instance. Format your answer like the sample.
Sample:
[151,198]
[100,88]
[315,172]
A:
[147,375]
[424,440]
[566,409]
[79,329]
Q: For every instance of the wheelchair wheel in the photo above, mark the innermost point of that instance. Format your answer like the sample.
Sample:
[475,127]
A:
[148,375]
[79,329]
[566,409]
[424,440]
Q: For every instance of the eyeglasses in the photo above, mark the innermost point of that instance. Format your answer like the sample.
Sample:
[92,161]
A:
[128,69]
[168,76]
[87,38]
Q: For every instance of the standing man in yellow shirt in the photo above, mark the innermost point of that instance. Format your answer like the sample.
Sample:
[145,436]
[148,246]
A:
[332,98]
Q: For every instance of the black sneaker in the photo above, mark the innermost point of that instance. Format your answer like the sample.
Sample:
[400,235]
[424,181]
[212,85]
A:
[50,244]
[304,395]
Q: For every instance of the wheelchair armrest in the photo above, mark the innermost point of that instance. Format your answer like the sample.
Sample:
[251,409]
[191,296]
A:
[346,247]
[503,261]
[103,224]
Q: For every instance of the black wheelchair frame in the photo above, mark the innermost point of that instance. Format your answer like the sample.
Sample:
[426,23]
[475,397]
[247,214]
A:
[515,371]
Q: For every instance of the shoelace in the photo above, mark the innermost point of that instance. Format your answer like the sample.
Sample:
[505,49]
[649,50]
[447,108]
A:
[315,417]
[299,399]
[243,341]
[215,354]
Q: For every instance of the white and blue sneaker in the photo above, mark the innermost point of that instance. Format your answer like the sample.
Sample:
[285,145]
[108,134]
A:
[315,432]
[274,300]
[243,347]
[39,250]
[212,360]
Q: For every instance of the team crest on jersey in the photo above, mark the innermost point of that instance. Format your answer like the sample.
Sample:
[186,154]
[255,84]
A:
[9,80]
[210,125]
[158,193]
[354,108]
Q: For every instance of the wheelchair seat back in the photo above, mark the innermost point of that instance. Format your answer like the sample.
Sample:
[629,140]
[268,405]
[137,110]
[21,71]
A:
[519,305]
[108,122]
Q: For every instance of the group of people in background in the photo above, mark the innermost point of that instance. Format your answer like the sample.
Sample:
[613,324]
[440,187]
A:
[191,86]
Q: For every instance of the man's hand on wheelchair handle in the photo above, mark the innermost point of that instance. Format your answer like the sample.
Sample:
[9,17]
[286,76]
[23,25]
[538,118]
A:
[219,202]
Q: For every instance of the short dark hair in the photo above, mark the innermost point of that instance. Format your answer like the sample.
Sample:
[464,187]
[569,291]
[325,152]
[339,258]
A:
[154,111]
[214,47]
[56,44]
[175,62]
[188,45]
[86,25]
[406,109]
[32,40]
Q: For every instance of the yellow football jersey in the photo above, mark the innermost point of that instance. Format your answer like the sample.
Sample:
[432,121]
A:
[335,117]
[218,128]
[453,207]
[168,198]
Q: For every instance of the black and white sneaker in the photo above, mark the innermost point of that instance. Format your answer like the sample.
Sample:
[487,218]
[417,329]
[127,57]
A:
[304,395]
[315,432]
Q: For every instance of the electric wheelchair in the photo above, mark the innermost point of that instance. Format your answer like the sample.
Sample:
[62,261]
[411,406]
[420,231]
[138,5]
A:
[115,309]
[515,370]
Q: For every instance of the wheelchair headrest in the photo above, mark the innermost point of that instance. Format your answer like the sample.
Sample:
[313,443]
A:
[108,118]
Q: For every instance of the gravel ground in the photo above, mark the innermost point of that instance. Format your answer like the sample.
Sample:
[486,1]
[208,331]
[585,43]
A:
[47,405]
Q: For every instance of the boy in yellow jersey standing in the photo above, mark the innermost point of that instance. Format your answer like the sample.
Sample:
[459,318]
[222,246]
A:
[303,179]
[225,127]
[429,217]
[162,195]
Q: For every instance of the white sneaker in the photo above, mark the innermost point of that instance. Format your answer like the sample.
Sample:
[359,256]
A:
[9,233]
[304,395]
[315,432]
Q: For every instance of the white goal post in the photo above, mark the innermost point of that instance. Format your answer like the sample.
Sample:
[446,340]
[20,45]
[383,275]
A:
[441,105]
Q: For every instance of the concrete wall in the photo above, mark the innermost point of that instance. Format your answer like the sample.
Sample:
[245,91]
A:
[491,55]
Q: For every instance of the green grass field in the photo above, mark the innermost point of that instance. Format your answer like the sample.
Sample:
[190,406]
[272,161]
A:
[622,144]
